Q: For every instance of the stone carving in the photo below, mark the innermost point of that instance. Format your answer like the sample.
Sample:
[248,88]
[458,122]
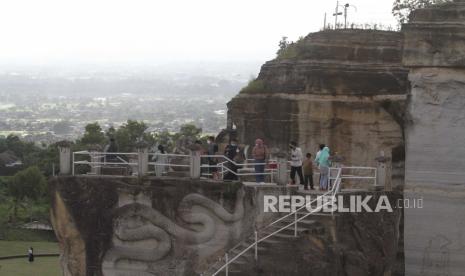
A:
[436,257]
[143,235]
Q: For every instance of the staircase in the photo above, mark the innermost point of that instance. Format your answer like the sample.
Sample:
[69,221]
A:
[245,256]
[246,261]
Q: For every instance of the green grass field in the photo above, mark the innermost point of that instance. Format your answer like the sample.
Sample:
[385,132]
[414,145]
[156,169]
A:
[42,266]
[10,248]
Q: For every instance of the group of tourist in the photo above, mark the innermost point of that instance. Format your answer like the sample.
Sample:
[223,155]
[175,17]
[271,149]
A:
[304,168]
[301,166]
[233,155]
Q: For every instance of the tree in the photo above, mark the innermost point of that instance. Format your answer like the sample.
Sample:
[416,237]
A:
[130,133]
[186,136]
[166,139]
[190,130]
[283,43]
[30,154]
[28,184]
[401,9]
[111,132]
[93,135]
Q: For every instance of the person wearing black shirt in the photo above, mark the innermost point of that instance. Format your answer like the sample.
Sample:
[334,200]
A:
[231,151]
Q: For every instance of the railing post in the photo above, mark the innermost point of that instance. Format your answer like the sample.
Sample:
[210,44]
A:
[64,148]
[282,176]
[143,158]
[195,164]
[95,157]
[295,224]
[72,165]
[227,265]
[222,170]
[383,175]
[256,246]
[161,159]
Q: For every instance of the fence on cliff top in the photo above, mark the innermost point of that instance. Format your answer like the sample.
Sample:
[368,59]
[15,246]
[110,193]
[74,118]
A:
[193,165]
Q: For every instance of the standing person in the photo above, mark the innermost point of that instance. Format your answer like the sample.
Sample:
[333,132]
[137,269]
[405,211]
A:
[231,152]
[324,164]
[320,148]
[259,154]
[296,163]
[160,160]
[212,149]
[308,171]
[112,147]
[30,254]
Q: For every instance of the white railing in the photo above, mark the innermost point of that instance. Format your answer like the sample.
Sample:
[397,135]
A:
[366,173]
[331,193]
[223,168]
[162,162]
[100,159]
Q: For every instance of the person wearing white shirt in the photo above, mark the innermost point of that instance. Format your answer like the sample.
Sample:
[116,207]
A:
[296,163]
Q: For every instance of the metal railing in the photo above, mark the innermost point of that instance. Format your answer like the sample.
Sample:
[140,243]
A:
[223,168]
[331,193]
[366,173]
[162,162]
[100,159]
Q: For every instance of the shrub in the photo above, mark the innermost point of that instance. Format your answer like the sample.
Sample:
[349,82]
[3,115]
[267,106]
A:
[254,86]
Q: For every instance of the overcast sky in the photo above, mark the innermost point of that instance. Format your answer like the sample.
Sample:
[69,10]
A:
[102,31]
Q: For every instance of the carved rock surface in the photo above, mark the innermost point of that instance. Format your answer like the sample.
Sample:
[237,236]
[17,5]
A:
[155,226]
[435,139]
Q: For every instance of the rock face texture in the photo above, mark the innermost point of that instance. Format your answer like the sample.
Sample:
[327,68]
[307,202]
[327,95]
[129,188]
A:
[172,226]
[344,88]
[434,52]
[363,244]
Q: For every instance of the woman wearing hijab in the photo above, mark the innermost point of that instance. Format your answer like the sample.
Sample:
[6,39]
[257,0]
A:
[324,164]
[259,154]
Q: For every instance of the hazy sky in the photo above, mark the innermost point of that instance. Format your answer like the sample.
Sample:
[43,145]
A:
[100,31]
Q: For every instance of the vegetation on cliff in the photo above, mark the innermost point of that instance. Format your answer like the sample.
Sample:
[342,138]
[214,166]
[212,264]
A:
[254,86]
[401,9]
[289,50]
[23,195]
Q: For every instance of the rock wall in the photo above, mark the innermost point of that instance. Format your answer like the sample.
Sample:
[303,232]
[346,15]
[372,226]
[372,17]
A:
[344,88]
[434,52]
[349,244]
[126,226]
[129,226]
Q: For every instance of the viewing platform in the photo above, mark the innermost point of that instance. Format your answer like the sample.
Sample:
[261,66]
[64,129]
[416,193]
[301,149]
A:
[199,166]
[110,207]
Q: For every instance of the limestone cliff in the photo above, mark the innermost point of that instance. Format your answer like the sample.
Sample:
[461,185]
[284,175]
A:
[129,226]
[125,226]
[344,88]
[434,52]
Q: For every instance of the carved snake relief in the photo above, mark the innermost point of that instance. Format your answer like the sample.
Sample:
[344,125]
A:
[142,235]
